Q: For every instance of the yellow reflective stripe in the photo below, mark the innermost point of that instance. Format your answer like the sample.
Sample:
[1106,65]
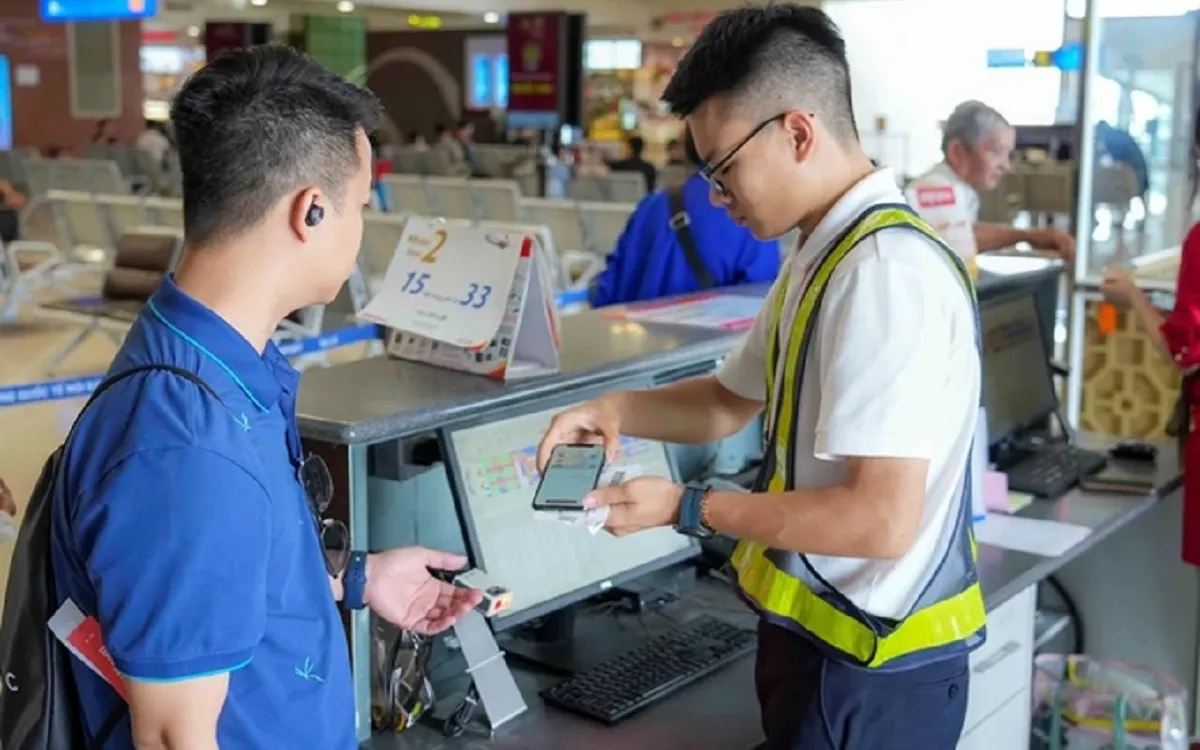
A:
[946,622]
[781,290]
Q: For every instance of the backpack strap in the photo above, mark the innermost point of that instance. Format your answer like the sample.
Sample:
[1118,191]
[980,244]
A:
[115,378]
[114,718]
[681,224]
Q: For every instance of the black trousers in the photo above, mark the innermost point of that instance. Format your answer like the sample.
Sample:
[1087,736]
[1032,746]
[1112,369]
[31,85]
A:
[809,702]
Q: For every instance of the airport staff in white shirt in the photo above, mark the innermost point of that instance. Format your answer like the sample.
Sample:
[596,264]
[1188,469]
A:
[855,547]
[977,143]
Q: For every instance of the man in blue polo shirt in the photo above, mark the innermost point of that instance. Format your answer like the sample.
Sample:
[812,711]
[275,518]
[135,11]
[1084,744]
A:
[187,519]
[652,261]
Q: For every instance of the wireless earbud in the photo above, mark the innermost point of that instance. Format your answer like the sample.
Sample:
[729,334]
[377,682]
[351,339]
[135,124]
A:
[315,215]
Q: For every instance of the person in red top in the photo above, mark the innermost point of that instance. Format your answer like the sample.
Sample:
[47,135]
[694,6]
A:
[1178,335]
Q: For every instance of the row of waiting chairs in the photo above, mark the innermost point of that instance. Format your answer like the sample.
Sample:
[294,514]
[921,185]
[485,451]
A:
[111,169]
[142,257]
[83,224]
[592,226]
[491,160]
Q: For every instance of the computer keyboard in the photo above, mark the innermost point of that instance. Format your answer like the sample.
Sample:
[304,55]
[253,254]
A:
[659,667]
[1053,469]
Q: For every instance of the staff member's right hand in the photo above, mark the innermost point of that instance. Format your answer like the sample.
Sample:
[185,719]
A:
[594,423]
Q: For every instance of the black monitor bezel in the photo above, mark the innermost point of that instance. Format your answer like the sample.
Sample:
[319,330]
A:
[502,622]
[1042,416]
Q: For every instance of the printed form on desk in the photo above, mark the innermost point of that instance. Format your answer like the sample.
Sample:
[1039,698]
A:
[1031,535]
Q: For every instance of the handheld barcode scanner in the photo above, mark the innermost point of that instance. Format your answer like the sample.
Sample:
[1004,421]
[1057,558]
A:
[496,599]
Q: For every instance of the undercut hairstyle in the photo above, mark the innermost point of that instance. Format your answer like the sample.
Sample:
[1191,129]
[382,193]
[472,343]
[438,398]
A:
[256,124]
[768,59]
[969,123]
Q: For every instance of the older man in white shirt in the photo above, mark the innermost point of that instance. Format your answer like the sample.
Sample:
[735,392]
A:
[976,145]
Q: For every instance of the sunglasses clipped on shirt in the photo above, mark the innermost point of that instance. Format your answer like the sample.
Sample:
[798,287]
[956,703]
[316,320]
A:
[314,477]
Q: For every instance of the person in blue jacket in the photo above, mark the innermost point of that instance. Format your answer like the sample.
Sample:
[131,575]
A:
[650,261]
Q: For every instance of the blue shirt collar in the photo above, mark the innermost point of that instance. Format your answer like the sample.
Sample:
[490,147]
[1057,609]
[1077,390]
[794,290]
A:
[263,378]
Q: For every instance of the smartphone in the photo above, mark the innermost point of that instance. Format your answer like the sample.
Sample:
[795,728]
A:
[572,473]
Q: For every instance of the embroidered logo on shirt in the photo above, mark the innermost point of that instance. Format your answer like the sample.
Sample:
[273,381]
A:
[243,421]
[306,673]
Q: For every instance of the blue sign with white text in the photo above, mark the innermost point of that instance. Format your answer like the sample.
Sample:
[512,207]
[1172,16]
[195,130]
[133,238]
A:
[97,10]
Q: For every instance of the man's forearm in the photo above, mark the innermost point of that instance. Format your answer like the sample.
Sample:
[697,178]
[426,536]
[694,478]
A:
[696,411]
[990,237]
[1151,320]
[830,521]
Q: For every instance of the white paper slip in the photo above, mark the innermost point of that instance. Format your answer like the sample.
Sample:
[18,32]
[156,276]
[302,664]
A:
[1032,535]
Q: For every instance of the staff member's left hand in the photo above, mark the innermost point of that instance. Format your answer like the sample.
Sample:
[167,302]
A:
[643,503]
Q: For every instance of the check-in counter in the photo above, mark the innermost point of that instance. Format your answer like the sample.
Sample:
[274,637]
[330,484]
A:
[356,414]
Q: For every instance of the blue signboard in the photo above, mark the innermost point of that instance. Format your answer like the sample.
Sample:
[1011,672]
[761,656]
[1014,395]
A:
[1067,57]
[6,110]
[1007,58]
[97,10]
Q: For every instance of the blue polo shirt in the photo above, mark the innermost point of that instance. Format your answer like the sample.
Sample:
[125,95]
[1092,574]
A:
[180,525]
[649,263]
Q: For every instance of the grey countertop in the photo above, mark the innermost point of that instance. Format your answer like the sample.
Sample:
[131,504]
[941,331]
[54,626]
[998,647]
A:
[380,398]
[1004,572]
[720,712]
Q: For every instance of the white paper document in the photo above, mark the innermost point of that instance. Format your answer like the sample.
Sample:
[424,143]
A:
[1032,535]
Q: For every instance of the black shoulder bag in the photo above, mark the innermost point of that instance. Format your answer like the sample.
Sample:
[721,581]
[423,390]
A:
[39,708]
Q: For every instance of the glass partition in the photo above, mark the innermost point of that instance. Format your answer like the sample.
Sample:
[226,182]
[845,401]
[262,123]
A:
[1140,110]
[1135,154]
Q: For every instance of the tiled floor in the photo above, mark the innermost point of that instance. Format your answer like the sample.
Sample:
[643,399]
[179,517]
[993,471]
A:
[29,433]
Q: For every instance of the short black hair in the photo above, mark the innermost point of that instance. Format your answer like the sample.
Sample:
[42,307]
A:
[257,123]
[769,58]
[440,129]
[637,145]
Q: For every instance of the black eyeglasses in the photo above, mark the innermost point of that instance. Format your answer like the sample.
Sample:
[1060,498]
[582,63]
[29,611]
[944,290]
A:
[314,477]
[709,172]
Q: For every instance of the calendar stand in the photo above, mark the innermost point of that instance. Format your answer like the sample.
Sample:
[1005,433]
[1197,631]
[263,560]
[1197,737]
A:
[471,299]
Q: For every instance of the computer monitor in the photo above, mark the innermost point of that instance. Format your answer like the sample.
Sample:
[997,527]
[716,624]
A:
[1018,385]
[548,565]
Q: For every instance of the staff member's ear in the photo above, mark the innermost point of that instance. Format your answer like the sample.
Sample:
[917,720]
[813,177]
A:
[801,128]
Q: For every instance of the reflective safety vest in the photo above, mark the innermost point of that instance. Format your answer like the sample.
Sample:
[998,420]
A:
[948,617]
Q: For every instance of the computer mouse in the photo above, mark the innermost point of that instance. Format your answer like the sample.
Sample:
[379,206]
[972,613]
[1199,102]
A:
[1134,451]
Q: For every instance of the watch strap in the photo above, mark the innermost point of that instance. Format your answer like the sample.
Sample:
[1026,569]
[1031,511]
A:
[690,508]
[354,582]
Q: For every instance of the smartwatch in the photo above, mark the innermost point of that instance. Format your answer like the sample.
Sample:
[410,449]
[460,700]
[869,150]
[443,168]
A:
[354,582]
[691,516]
